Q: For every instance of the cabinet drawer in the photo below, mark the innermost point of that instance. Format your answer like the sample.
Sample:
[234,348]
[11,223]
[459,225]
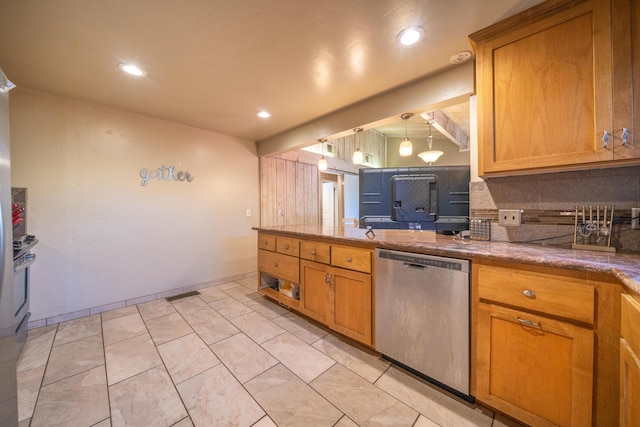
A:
[351,258]
[279,265]
[315,251]
[288,246]
[630,321]
[267,242]
[556,295]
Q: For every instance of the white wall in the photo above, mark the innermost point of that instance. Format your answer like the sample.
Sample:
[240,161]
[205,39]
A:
[104,237]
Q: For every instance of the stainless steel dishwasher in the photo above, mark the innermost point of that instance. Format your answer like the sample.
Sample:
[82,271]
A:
[422,316]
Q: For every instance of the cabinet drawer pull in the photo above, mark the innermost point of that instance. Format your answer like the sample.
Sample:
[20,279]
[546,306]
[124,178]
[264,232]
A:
[286,247]
[313,252]
[529,293]
[327,279]
[625,137]
[526,322]
[275,264]
[349,259]
[605,139]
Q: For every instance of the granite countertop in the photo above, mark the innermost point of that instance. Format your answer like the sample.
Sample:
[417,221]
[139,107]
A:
[626,267]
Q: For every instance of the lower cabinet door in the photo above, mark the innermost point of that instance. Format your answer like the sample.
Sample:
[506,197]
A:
[351,304]
[315,289]
[629,386]
[536,369]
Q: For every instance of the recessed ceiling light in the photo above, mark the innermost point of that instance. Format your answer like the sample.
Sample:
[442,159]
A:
[131,69]
[461,57]
[410,35]
[264,114]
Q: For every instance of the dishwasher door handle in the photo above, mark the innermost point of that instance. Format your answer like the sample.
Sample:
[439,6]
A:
[414,266]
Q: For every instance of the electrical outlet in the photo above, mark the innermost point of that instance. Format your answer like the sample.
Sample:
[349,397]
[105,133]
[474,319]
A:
[635,221]
[248,212]
[509,217]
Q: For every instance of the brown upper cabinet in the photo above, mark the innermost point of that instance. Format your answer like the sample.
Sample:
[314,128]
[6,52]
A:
[551,81]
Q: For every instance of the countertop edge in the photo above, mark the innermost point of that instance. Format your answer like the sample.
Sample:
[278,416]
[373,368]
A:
[624,267]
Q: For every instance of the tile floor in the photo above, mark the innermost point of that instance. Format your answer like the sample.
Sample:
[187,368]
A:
[227,357]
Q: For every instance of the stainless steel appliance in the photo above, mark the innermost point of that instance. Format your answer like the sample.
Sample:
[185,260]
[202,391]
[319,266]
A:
[8,388]
[22,260]
[422,316]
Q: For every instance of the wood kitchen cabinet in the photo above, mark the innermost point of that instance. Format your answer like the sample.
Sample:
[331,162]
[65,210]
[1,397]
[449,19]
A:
[335,282]
[341,298]
[547,89]
[534,345]
[630,362]
[278,260]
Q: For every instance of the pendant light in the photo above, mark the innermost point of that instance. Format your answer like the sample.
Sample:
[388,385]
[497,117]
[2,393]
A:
[322,163]
[406,148]
[431,155]
[358,156]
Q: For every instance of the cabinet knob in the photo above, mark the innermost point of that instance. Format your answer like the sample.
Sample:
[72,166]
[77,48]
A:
[275,264]
[624,136]
[529,293]
[327,279]
[286,247]
[526,322]
[313,252]
[348,259]
[605,139]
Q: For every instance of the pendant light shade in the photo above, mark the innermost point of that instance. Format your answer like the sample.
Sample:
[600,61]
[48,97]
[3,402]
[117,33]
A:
[322,163]
[431,155]
[406,148]
[358,156]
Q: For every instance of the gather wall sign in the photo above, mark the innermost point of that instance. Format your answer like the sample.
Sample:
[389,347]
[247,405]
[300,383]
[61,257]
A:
[164,173]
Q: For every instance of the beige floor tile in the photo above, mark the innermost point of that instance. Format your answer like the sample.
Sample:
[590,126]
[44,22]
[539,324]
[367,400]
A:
[25,423]
[289,401]
[156,308]
[265,307]
[211,294]
[227,285]
[121,312]
[104,423]
[257,327]
[28,388]
[302,359]
[431,401]
[302,328]
[37,348]
[230,308]
[123,328]
[205,321]
[80,400]
[360,400]
[265,422]
[346,422]
[425,422]
[249,282]
[243,294]
[243,357]
[130,357]
[166,328]
[148,399]
[363,362]
[201,395]
[77,356]
[186,357]
[185,422]
[73,330]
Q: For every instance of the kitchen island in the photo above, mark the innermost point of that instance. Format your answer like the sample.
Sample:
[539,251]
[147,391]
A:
[533,307]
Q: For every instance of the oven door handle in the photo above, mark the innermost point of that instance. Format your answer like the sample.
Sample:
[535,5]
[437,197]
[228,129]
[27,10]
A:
[30,259]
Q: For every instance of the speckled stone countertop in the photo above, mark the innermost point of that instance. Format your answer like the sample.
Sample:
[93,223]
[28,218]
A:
[626,267]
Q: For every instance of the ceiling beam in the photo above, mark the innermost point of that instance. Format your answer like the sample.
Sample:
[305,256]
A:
[448,128]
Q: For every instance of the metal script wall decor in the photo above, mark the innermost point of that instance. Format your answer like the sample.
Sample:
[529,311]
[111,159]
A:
[164,173]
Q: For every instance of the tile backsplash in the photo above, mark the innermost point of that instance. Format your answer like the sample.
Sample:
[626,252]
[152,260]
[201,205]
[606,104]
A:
[549,201]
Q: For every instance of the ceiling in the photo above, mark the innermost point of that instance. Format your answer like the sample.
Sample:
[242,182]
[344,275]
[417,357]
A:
[214,64]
